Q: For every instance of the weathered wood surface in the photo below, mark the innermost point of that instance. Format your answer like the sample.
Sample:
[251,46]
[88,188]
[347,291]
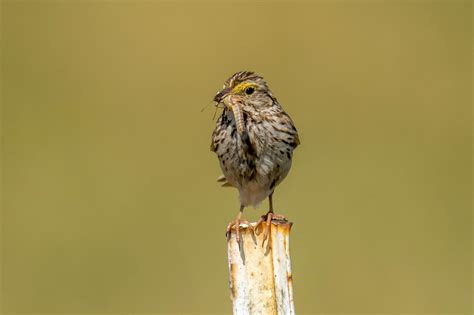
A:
[260,276]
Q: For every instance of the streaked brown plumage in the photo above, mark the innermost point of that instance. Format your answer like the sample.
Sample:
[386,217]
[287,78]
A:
[254,140]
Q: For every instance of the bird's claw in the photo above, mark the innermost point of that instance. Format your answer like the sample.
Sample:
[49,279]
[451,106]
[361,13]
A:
[236,225]
[267,218]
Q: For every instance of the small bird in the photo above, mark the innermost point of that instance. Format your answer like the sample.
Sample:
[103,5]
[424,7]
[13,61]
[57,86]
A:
[254,140]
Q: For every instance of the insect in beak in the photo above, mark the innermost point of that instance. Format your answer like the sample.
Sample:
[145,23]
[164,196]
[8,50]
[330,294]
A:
[236,109]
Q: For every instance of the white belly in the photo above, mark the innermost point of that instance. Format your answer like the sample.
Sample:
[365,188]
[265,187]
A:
[253,194]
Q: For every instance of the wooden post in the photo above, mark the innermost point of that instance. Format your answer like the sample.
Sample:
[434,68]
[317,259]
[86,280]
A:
[260,276]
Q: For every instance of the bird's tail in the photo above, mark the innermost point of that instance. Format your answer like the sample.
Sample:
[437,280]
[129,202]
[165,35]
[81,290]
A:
[223,181]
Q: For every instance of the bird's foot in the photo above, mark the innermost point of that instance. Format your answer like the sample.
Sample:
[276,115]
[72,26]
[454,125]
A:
[267,218]
[236,225]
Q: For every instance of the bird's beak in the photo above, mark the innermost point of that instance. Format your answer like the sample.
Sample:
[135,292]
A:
[233,104]
[221,95]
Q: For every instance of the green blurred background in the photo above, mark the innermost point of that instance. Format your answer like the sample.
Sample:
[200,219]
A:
[109,199]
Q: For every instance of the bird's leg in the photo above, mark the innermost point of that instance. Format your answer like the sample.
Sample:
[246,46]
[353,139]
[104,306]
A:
[267,218]
[235,224]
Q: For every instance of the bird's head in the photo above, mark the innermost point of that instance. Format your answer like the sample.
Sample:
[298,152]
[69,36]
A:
[245,91]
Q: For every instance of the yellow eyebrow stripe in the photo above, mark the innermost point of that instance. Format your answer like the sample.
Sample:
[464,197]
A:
[242,86]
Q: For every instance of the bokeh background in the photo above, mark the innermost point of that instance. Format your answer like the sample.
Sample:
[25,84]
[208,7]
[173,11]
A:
[109,200]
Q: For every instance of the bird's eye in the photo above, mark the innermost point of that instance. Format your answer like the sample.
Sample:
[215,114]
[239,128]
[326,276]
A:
[249,90]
